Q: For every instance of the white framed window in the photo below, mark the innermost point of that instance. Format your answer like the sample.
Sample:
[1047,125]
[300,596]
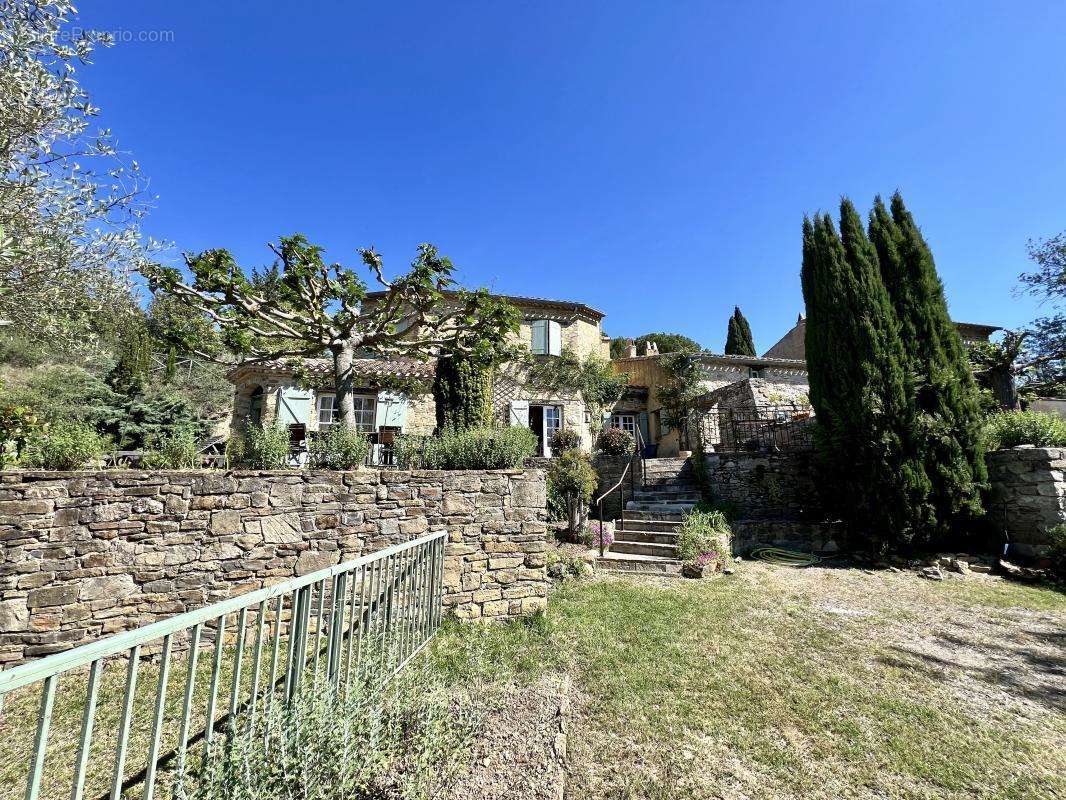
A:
[626,422]
[553,421]
[546,338]
[329,414]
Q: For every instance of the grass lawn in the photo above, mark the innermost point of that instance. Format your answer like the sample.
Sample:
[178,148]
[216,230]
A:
[807,683]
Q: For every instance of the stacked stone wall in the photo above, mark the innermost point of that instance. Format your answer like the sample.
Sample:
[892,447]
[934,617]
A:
[776,486]
[86,555]
[1028,495]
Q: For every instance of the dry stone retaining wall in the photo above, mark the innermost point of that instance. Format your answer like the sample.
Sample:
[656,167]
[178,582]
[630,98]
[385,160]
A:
[770,486]
[1028,494]
[85,555]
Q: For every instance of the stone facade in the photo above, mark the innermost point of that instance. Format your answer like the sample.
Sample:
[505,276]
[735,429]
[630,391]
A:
[86,555]
[1028,495]
[581,333]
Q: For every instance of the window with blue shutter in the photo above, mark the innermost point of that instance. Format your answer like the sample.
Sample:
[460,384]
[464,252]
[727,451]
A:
[547,339]
[539,345]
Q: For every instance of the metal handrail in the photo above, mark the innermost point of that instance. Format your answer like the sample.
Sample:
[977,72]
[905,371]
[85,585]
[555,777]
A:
[638,450]
[393,594]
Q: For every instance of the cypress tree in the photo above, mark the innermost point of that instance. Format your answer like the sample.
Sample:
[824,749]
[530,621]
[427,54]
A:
[945,401]
[859,385]
[462,389]
[738,340]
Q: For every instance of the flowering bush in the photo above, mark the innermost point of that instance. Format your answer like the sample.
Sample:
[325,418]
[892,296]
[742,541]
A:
[598,531]
[616,442]
[704,538]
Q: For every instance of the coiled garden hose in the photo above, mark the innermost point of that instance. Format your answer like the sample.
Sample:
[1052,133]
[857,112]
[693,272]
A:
[785,558]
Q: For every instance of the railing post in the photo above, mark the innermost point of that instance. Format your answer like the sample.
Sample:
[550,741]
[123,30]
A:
[600,505]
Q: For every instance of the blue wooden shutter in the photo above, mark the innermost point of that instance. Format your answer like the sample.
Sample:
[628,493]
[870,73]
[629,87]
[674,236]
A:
[540,337]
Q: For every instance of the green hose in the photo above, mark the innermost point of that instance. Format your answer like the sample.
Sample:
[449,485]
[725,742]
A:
[784,558]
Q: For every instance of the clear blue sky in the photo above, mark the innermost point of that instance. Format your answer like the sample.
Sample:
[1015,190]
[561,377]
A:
[653,160]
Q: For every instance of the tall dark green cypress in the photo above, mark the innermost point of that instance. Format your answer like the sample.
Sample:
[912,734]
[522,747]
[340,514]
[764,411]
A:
[945,401]
[738,340]
[462,390]
[859,385]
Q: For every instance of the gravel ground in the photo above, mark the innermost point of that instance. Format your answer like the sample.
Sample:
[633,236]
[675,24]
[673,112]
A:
[519,754]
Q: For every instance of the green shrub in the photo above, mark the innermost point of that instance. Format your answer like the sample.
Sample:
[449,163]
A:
[339,447]
[407,739]
[176,451]
[17,424]
[476,448]
[572,476]
[1012,428]
[616,442]
[565,439]
[704,536]
[556,503]
[63,446]
[267,447]
[234,452]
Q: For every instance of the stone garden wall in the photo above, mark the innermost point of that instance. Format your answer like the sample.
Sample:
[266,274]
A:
[85,555]
[1028,495]
[776,486]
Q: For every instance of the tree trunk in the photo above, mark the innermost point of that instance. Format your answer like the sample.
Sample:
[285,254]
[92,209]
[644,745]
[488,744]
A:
[1004,389]
[344,381]
[577,516]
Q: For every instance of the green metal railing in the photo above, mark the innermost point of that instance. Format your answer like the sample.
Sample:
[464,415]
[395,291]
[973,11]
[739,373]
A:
[317,625]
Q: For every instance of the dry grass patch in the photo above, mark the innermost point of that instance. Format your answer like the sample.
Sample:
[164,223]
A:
[796,683]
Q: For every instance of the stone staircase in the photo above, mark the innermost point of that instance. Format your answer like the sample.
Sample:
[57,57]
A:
[645,538]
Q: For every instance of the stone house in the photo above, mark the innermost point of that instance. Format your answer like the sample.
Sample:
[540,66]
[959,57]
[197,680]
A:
[269,392]
[765,396]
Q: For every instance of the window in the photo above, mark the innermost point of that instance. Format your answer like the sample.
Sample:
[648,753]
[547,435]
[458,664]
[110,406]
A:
[329,414]
[755,372]
[553,421]
[546,338]
[626,422]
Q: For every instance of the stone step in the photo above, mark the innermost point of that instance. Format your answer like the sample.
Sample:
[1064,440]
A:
[645,537]
[671,495]
[653,525]
[659,508]
[644,549]
[649,516]
[632,562]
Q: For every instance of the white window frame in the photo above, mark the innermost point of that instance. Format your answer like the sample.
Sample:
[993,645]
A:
[365,411]
[626,422]
[756,372]
[557,416]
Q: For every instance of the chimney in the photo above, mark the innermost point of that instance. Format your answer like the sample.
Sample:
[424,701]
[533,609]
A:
[632,351]
[651,349]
